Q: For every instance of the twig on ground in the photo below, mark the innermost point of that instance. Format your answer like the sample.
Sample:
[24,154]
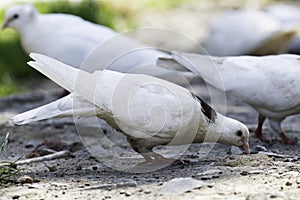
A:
[57,155]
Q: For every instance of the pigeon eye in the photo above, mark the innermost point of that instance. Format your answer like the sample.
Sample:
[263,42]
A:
[16,16]
[239,133]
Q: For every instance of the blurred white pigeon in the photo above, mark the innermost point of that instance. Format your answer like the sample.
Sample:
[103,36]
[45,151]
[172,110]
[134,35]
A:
[270,84]
[289,16]
[148,110]
[70,39]
[247,32]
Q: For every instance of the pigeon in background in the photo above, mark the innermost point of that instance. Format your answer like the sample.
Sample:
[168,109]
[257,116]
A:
[289,16]
[148,110]
[70,39]
[247,32]
[269,84]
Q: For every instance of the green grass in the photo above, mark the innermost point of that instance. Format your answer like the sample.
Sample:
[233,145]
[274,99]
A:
[8,170]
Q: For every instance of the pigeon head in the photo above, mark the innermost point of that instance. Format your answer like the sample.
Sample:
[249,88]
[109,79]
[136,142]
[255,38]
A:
[18,15]
[234,133]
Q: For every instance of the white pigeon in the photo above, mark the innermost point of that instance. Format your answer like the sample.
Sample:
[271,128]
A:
[270,84]
[289,16]
[148,110]
[247,32]
[70,39]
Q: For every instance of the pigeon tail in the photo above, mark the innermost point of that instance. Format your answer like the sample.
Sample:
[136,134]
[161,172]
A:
[64,75]
[48,111]
[68,106]
[203,66]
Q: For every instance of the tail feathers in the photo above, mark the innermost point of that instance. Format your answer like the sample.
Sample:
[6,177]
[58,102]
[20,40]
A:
[202,65]
[60,73]
[60,108]
[65,107]
[277,44]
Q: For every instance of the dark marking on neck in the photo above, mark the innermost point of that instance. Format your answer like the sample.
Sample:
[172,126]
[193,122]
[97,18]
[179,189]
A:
[208,111]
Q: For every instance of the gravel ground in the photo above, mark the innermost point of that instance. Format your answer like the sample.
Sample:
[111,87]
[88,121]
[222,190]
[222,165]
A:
[271,171]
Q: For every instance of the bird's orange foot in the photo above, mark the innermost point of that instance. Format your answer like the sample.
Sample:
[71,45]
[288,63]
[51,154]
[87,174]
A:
[260,136]
[286,140]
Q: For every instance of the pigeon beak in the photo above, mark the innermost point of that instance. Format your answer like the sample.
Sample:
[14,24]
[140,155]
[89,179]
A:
[246,148]
[5,24]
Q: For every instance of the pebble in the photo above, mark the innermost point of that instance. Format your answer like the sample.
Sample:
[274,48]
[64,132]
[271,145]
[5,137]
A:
[31,144]
[128,194]
[291,173]
[288,184]
[16,197]
[25,179]
[271,154]
[244,173]
[206,178]
[276,195]
[298,181]
[216,176]
[236,151]
[122,192]
[51,168]
[211,172]
[256,172]
[179,186]
[260,148]
[147,191]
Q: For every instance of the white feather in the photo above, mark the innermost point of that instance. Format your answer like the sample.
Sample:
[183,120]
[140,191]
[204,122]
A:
[70,39]
[246,31]
[146,109]
[270,84]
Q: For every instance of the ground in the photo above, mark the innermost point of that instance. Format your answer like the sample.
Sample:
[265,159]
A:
[273,172]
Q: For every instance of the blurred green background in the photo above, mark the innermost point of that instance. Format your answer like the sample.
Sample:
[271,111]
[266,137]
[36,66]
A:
[116,15]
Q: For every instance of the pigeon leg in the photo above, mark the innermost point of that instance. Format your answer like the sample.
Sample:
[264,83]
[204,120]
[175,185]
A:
[285,139]
[277,127]
[140,146]
[258,131]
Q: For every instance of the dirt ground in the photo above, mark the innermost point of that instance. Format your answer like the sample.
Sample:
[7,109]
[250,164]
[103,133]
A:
[270,172]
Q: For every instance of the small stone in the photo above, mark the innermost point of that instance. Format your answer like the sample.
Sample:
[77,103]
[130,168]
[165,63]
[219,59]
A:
[298,181]
[16,197]
[216,176]
[206,178]
[179,186]
[271,154]
[260,148]
[291,174]
[122,192]
[244,173]
[211,172]
[256,172]
[147,191]
[51,168]
[288,184]
[78,167]
[25,179]
[236,151]
[279,195]
[128,194]
[277,175]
